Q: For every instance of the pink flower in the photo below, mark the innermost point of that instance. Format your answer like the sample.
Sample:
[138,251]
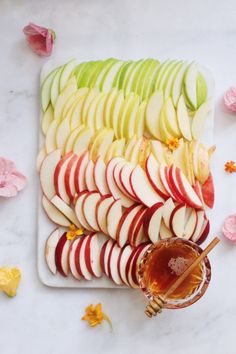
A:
[230,99]
[11,180]
[229,228]
[40,39]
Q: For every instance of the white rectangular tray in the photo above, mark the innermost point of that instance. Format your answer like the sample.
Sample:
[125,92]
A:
[45,226]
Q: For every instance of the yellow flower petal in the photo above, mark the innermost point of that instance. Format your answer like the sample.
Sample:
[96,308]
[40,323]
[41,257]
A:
[172,144]
[94,315]
[73,232]
[9,280]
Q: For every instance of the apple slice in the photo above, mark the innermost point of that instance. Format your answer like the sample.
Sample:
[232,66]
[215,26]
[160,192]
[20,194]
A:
[204,232]
[168,207]
[153,110]
[198,122]
[62,133]
[102,208]
[46,89]
[152,222]
[102,254]
[190,225]
[113,217]
[69,178]
[50,248]
[89,177]
[200,222]
[187,191]
[177,220]
[170,118]
[125,223]
[77,255]
[100,176]
[135,224]
[142,188]
[208,191]
[152,171]
[80,185]
[59,177]
[92,254]
[54,214]
[47,173]
[61,255]
[139,236]
[89,209]
[116,175]
[47,119]
[65,210]
[165,232]
[163,175]
[110,244]
[124,255]
[173,184]
[40,157]
[80,212]
[65,94]
[82,259]
[71,139]
[113,264]
[132,274]
[72,264]
[189,85]
[66,73]
[82,141]
[198,190]
[183,119]
[124,177]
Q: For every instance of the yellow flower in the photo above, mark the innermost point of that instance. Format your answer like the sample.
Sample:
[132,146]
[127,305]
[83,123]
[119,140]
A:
[95,316]
[230,167]
[172,144]
[73,232]
[9,280]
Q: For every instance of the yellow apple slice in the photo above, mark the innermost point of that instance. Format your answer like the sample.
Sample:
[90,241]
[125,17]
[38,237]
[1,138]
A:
[50,139]
[140,120]
[71,138]
[179,156]
[115,111]
[68,90]
[199,118]
[122,115]
[116,149]
[99,113]
[76,114]
[165,133]
[188,163]
[193,148]
[46,89]
[153,110]
[81,143]
[176,88]
[54,89]
[183,119]
[107,109]
[129,146]
[144,152]
[66,73]
[47,119]
[130,119]
[135,152]
[62,133]
[90,117]
[203,164]
[40,157]
[158,151]
[170,116]
[73,100]
[86,104]
[101,144]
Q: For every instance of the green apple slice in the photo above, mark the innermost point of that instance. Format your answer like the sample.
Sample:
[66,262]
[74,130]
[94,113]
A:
[122,114]
[79,71]
[66,72]
[101,144]
[165,133]
[199,118]
[50,139]
[62,133]
[165,74]
[170,116]
[121,72]
[86,104]
[76,114]
[47,118]
[119,82]
[90,117]
[71,138]
[161,71]
[140,73]
[54,92]
[169,81]
[201,89]
[183,119]
[176,89]
[190,85]
[130,78]
[99,113]
[148,83]
[68,91]
[105,67]
[115,111]
[144,81]
[129,146]
[130,119]
[140,120]
[88,73]
[108,104]
[46,89]
[154,106]
[108,79]
[82,140]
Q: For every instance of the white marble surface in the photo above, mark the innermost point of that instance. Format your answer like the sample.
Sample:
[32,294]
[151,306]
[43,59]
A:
[41,320]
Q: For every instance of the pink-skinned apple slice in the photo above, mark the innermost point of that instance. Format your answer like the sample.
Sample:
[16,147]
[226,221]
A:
[168,207]
[208,192]
[124,255]
[114,190]
[190,225]
[92,254]
[61,255]
[59,177]
[135,270]
[125,223]
[89,209]
[200,222]
[173,184]
[116,176]
[72,264]
[152,171]
[198,190]
[113,265]
[152,222]
[163,173]
[139,236]
[125,174]
[100,176]
[113,217]
[102,208]
[80,184]
[165,232]
[77,256]
[132,276]
[65,210]
[80,212]
[204,232]
[50,248]
[47,171]
[69,178]
[188,193]
[102,255]
[89,177]
[109,246]
[135,225]
[54,214]
[142,188]
[82,259]
[177,220]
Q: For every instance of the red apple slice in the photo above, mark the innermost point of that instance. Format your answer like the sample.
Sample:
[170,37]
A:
[198,190]
[109,246]
[92,254]
[173,184]
[114,190]
[82,259]
[200,222]
[190,225]
[114,215]
[125,224]
[208,192]
[116,176]
[129,263]
[113,265]
[59,177]
[204,232]
[139,236]
[152,222]
[69,178]
[168,207]
[122,262]
[54,214]
[102,255]
[152,171]
[177,220]
[187,191]
[163,174]
[61,255]
[77,256]
[100,176]
[135,270]
[165,232]
[80,212]
[72,264]
[102,208]
[124,176]
[65,210]
[134,224]
[142,188]
[89,177]
[89,209]
[80,184]
[50,248]
[132,275]
[47,171]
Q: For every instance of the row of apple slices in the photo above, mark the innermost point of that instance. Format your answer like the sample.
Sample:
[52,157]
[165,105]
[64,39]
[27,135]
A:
[92,256]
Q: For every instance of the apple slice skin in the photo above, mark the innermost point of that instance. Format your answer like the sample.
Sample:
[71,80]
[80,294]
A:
[58,255]
[107,200]
[54,214]
[71,259]
[133,281]
[194,216]
[148,219]
[173,184]
[128,212]
[80,171]
[150,161]
[100,178]
[113,264]
[122,262]
[208,192]
[65,160]
[173,215]
[89,199]
[50,249]
[204,233]
[134,224]
[90,254]
[47,171]
[126,182]
[102,254]
[139,236]
[70,189]
[112,221]
[77,256]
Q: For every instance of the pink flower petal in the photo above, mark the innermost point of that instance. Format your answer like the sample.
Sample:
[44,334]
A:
[33,29]
[230,99]
[6,166]
[8,191]
[229,228]
[40,39]
[17,179]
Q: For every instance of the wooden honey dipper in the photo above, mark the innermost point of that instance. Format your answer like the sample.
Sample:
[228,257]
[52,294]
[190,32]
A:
[155,306]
